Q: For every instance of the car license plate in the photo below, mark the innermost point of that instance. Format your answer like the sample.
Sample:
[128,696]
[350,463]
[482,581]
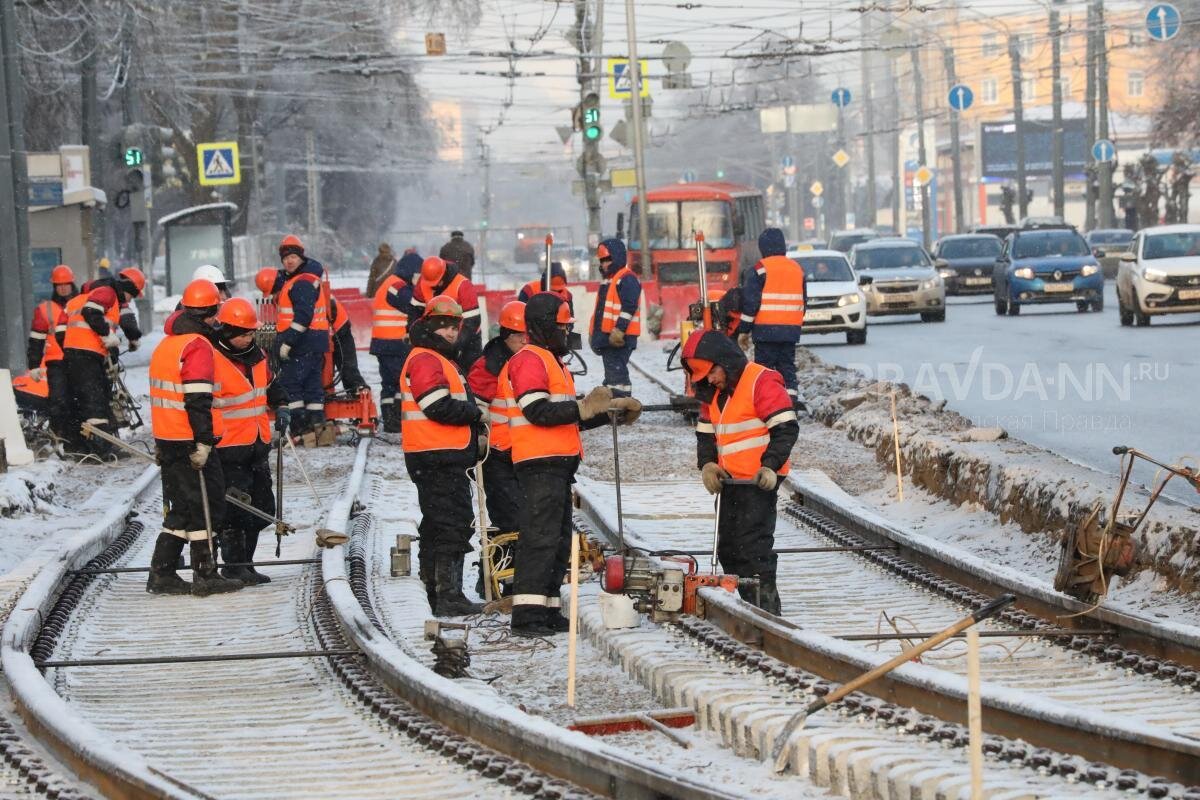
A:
[1060,287]
[977,281]
[900,297]
[818,315]
[1189,294]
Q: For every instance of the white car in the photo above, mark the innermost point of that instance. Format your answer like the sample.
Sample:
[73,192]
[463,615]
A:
[1160,274]
[835,303]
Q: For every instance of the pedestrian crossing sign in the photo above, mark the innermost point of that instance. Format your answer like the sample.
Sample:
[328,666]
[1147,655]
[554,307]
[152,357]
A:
[219,165]
[620,79]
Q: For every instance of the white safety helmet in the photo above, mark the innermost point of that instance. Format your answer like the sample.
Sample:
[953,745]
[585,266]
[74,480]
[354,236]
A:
[208,272]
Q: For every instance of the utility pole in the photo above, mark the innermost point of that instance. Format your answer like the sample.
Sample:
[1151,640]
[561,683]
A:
[16,290]
[1057,101]
[588,75]
[89,132]
[955,156]
[639,155]
[314,197]
[131,113]
[919,102]
[1090,102]
[897,163]
[1014,56]
[485,157]
[868,122]
[1105,216]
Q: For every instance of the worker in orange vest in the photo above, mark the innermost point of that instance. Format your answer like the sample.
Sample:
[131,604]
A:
[44,354]
[546,452]
[244,390]
[746,430]
[488,380]
[617,319]
[773,298]
[390,309]
[443,436]
[439,277]
[302,339]
[558,286]
[93,318]
[186,429]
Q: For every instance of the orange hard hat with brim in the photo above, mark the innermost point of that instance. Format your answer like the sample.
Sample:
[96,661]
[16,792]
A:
[564,314]
[698,368]
[512,316]
[602,253]
[238,312]
[265,279]
[201,294]
[443,306]
[62,274]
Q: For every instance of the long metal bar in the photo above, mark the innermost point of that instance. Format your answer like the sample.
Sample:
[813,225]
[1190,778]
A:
[617,479]
[123,570]
[781,550]
[150,660]
[1050,634]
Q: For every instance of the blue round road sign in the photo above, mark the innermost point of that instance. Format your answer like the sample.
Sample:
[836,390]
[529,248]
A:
[840,97]
[961,97]
[1163,21]
[788,161]
[1104,150]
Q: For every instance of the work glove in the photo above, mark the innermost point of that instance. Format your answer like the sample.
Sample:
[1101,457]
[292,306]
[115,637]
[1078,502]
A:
[596,403]
[283,418]
[712,474]
[37,374]
[629,409]
[616,337]
[134,344]
[285,352]
[199,456]
[744,342]
[111,342]
[766,479]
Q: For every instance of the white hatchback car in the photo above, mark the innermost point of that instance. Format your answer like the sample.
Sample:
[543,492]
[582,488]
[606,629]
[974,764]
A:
[1160,274]
[835,303]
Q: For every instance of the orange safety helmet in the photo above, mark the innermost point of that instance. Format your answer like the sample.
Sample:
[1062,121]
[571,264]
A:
[443,306]
[602,253]
[291,244]
[238,312]
[512,316]
[265,280]
[564,313]
[698,368]
[62,274]
[432,270]
[136,277]
[201,294]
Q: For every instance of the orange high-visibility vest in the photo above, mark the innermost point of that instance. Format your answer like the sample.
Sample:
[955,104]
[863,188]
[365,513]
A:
[340,315]
[387,323]
[284,313]
[531,441]
[537,287]
[56,318]
[783,292]
[502,411]
[80,335]
[612,307]
[420,434]
[742,437]
[168,414]
[241,402]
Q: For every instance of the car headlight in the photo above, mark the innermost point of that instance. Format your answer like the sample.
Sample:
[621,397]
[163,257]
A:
[1089,269]
[1025,273]
[1154,275]
[946,273]
[932,283]
[849,299]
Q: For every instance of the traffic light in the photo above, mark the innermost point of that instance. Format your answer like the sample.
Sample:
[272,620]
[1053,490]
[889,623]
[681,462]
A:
[591,118]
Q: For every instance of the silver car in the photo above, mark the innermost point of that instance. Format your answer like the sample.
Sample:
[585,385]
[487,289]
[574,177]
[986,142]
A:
[1160,274]
[903,279]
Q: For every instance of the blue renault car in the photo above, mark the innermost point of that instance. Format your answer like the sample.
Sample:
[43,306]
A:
[1046,266]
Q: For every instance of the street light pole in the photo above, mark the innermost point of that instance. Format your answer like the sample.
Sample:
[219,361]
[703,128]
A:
[1105,217]
[1014,55]
[1057,101]
[919,97]
[16,295]
[639,155]
[955,155]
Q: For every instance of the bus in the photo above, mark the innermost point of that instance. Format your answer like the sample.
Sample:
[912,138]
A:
[729,215]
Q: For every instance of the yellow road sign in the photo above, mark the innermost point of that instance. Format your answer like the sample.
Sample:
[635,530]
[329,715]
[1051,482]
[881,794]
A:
[623,178]
[620,79]
[923,175]
[218,163]
[817,188]
[841,158]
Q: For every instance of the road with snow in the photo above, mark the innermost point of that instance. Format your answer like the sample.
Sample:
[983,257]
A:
[1073,383]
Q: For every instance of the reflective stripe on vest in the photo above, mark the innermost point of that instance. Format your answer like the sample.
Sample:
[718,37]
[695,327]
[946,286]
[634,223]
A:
[386,322]
[80,335]
[502,411]
[420,434]
[241,402]
[612,307]
[742,437]
[783,292]
[56,322]
[531,441]
[285,314]
[168,413]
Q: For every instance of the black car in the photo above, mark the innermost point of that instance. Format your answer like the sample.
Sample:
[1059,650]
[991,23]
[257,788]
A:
[965,262]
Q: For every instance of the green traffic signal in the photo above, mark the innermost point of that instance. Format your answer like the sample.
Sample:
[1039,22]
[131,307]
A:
[592,133]
[133,156]
[591,124]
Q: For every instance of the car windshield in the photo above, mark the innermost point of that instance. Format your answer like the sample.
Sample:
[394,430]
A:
[1048,244]
[983,247]
[890,258]
[1110,237]
[845,241]
[671,224]
[820,269]
[1171,245]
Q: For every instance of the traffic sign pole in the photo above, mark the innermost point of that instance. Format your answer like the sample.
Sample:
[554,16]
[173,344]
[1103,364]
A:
[639,155]
[961,98]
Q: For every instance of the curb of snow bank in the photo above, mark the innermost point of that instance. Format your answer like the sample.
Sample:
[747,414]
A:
[943,454]
[84,748]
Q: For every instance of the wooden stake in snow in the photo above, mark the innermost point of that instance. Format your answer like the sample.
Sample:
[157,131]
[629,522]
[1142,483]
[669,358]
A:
[974,714]
[573,630]
[896,442]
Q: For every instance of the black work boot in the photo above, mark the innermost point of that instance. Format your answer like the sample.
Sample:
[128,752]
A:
[250,542]
[205,580]
[451,602]
[391,418]
[233,551]
[426,572]
[768,595]
[530,621]
[555,621]
[163,578]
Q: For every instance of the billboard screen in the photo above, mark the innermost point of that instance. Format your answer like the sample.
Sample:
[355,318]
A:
[999,148]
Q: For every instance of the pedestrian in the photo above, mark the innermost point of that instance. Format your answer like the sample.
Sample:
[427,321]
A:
[616,320]
[381,267]
[90,344]
[487,376]
[772,314]
[546,452]
[443,436]
[746,430]
[459,252]
[558,286]
[186,429]
[302,338]
[244,390]
[390,307]
[44,355]
[440,277]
